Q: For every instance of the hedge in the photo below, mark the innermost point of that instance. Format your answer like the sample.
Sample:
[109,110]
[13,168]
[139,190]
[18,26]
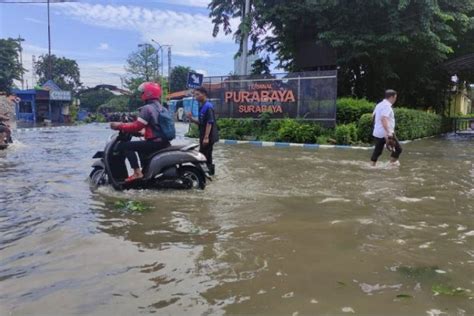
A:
[346,134]
[410,124]
[364,128]
[350,110]
[354,126]
[285,130]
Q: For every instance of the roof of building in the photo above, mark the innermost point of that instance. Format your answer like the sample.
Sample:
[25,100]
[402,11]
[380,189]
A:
[465,62]
[178,95]
[27,91]
[51,85]
[188,92]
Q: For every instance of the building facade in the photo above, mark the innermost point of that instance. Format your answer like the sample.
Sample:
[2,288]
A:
[47,103]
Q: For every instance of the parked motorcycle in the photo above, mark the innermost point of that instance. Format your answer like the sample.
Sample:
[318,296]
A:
[176,167]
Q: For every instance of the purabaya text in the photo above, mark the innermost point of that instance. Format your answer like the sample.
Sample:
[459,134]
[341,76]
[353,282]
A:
[282,96]
[260,108]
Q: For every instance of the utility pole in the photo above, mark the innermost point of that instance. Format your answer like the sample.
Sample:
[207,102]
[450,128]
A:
[245,47]
[33,71]
[160,47]
[50,62]
[169,69]
[19,40]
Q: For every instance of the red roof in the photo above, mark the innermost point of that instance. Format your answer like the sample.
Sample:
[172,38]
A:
[187,93]
[178,95]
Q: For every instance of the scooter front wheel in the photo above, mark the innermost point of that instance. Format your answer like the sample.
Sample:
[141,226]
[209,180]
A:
[98,177]
[192,177]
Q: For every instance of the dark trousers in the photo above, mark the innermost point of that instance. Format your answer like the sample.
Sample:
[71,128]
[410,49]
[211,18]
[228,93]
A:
[206,150]
[380,145]
[142,147]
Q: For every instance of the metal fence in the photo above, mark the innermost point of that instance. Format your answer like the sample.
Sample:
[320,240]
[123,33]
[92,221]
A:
[305,95]
[463,125]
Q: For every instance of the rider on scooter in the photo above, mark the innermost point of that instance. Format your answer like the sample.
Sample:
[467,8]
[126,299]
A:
[147,120]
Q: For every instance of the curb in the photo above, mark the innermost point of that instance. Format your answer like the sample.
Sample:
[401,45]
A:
[50,128]
[287,145]
[417,139]
[307,146]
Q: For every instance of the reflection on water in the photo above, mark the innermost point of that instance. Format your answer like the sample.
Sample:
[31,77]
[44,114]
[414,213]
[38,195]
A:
[280,231]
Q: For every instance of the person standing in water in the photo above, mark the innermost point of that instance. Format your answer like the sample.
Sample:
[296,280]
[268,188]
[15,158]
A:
[208,133]
[7,116]
[384,129]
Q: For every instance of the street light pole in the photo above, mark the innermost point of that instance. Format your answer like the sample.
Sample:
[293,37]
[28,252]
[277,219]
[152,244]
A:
[160,47]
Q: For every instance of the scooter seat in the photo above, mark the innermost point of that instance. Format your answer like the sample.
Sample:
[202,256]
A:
[167,149]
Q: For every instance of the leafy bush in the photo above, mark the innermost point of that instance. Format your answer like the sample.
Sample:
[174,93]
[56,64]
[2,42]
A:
[365,128]
[323,139]
[346,134]
[350,110]
[95,117]
[92,99]
[274,125]
[410,124]
[236,129]
[298,132]
[193,131]
[73,110]
[264,120]
[115,104]
[286,130]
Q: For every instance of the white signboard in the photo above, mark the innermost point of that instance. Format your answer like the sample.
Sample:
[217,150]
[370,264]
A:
[60,95]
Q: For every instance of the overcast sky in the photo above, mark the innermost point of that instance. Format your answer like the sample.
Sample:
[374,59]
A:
[100,35]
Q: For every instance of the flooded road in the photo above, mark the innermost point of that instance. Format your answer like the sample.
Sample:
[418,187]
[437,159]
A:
[279,231]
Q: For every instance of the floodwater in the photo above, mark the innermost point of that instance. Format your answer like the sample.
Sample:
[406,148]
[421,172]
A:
[280,231]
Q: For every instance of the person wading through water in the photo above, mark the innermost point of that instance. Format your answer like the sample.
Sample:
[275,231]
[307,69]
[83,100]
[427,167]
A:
[7,117]
[208,133]
[384,129]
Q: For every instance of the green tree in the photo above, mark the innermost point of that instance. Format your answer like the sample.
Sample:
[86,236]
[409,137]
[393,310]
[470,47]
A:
[132,84]
[261,66]
[179,78]
[92,99]
[64,72]
[143,64]
[10,67]
[380,43]
[119,103]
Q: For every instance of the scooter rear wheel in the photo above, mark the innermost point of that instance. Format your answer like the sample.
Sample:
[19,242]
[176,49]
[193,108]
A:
[192,177]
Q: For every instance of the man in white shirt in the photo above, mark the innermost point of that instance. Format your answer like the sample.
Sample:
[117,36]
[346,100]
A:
[384,129]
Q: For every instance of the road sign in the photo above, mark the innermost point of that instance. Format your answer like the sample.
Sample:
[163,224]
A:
[60,95]
[195,80]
